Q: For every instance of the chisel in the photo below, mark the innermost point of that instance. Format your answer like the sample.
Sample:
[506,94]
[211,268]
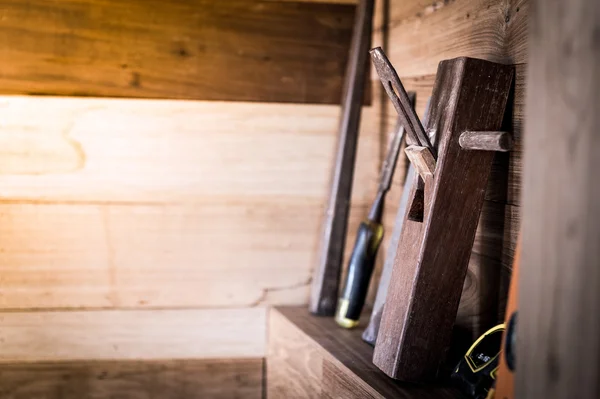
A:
[368,239]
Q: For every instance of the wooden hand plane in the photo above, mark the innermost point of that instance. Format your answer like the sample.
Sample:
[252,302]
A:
[466,111]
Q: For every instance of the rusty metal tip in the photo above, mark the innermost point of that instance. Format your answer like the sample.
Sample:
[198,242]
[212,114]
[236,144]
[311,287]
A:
[376,53]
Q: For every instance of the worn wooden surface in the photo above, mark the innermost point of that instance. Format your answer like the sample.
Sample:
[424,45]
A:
[328,268]
[505,181]
[558,344]
[494,30]
[311,357]
[176,379]
[486,141]
[134,334]
[241,50]
[422,160]
[422,34]
[432,259]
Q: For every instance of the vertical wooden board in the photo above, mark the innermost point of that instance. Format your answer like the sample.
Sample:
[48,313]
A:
[132,335]
[489,29]
[173,379]
[141,256]
[240,50]
[558,330]
[166,151]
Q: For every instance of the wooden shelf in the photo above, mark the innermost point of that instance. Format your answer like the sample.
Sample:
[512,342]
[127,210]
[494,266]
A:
[311,357]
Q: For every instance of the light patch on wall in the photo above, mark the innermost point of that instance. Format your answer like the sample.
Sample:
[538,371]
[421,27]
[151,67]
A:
[34,148]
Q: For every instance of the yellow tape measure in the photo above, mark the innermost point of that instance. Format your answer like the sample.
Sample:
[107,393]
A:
[476,372]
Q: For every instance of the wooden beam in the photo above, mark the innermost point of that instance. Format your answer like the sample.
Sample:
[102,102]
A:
[558,331]
[132,335]
[204,50]
[168,379]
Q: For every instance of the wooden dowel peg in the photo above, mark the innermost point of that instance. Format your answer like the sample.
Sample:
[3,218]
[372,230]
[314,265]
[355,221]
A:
[422,159]
[486,141]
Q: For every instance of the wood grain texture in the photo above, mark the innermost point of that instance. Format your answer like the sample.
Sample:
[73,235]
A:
[489,29]
[147,256]
[486,141]
[433,254]
[177,379]
[505,180]
[132,335]
[153,204]
[499,223]
[332,241]
[294,363]
[422,160]
[152,151]
[239,50]
[558,344]
[312,357]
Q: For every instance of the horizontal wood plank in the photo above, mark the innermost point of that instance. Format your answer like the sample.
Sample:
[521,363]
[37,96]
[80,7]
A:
[139,256]
[154,151]
[241,50]
[132,335]
[173,379]
[489,29]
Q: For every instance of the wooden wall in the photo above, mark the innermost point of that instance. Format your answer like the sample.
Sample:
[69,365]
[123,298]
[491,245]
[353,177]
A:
[144,240]
[246,50]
